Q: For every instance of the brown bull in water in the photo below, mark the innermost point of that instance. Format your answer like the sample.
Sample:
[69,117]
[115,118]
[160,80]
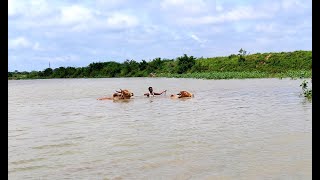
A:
[182,94]
[122,94]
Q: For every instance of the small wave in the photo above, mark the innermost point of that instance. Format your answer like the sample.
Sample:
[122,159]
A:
[16,135]
[27,161]
[26,168]
[53,146]
[66,153]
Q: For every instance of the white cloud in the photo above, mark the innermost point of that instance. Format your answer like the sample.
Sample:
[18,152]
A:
[13,7]
[45,30]
[244,12]
[37,47]
[190,6]
[217,29]
[38,7]
[196,38]
[19,42]
[118,20]
[11,10]
[293,4]
[265,27]
[280,29]
[109,3]
[173,3]
[239,13]
[66,18]
[219,8]
[78,18]
[22,42]
[75,14]
[28,8]
[65,58]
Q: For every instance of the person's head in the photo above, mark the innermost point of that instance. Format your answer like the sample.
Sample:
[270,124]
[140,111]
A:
[150,89]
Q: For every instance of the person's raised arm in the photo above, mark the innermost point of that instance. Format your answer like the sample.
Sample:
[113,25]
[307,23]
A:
[160,93]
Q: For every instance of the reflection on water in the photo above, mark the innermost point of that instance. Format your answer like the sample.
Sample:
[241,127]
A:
[231,129]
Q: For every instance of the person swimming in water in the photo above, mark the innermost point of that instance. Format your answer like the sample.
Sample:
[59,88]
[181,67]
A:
[153,93]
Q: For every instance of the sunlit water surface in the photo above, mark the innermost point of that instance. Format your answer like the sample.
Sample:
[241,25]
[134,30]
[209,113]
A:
[231,129]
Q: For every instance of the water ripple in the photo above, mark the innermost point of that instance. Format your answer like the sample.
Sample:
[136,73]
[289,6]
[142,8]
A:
[63,132]
[54,146]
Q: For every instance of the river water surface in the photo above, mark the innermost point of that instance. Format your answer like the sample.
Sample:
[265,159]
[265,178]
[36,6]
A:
[231,129]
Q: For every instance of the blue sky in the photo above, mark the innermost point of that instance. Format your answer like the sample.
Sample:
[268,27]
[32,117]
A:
[76,33]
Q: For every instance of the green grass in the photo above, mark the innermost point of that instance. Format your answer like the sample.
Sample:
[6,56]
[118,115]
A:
[241,75]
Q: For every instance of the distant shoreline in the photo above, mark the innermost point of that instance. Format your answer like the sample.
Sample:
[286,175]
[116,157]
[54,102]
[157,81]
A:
[216,75]
[297,64]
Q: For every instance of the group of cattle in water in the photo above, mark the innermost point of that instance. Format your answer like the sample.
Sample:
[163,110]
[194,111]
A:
[127,94]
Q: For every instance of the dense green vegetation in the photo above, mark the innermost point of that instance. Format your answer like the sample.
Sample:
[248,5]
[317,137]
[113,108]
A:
[297,64]
[242,75]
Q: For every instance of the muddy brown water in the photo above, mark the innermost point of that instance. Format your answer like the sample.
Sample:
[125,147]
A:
[231,129]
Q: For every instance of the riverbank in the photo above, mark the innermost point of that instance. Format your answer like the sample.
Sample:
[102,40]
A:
[241,75]
[217,75]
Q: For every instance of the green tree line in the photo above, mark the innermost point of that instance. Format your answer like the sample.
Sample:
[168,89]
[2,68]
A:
[275,62]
